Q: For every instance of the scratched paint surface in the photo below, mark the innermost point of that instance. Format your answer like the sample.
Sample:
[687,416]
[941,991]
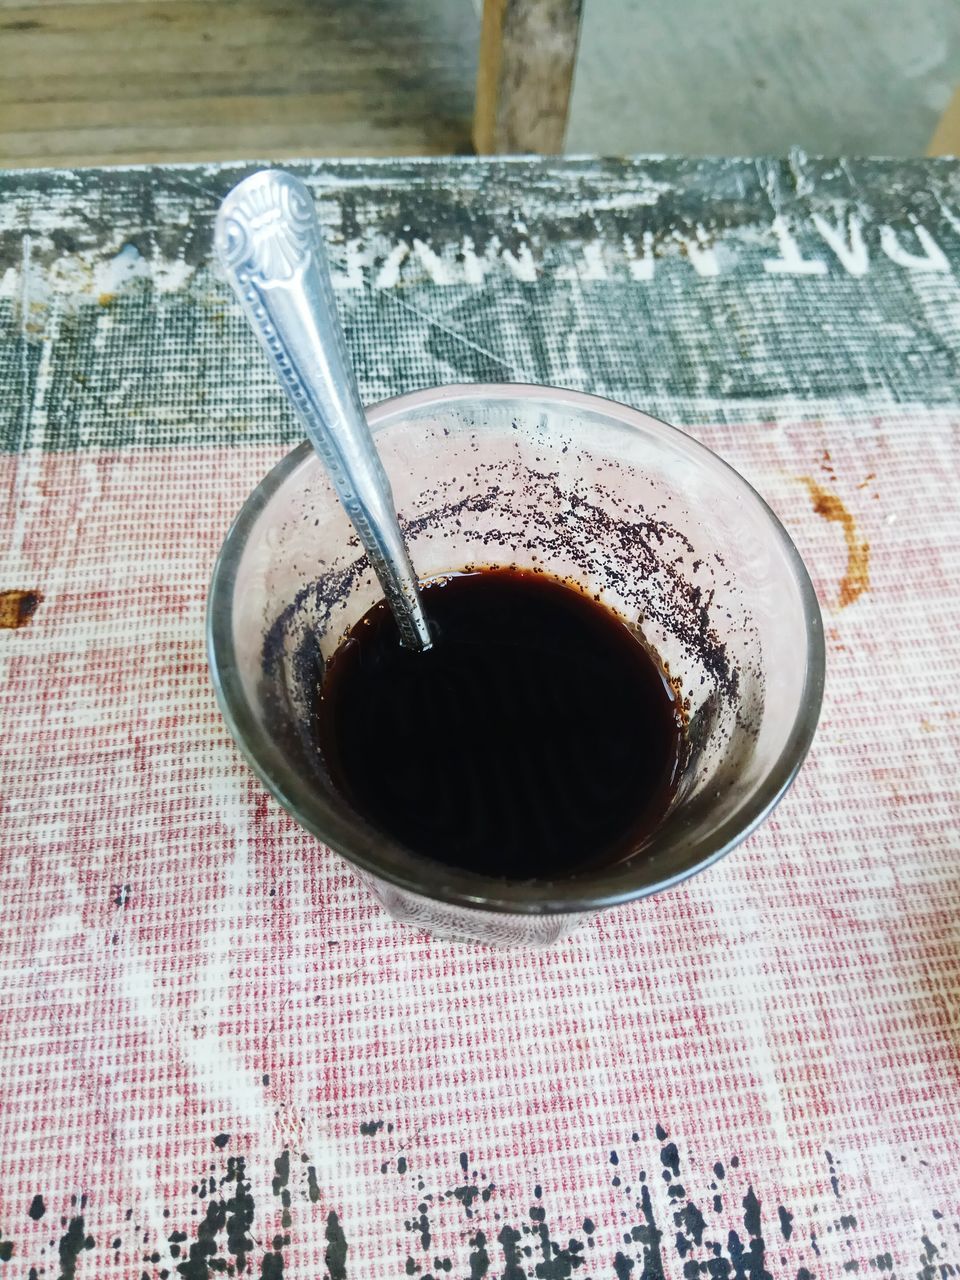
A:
[703,290]
[217,1056]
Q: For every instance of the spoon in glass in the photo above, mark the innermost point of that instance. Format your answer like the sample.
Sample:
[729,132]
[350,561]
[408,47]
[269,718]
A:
[270,247]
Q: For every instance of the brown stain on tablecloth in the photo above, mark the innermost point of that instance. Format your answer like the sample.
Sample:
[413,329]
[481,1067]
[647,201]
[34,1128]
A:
[18,607]
[856,580]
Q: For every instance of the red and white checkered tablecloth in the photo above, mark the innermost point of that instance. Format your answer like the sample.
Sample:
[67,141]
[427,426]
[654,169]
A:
[217,1055]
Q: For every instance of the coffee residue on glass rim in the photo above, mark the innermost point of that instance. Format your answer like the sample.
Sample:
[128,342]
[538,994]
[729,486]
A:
[634,539]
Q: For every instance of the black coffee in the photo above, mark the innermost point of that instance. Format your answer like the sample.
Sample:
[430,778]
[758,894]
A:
[538,737]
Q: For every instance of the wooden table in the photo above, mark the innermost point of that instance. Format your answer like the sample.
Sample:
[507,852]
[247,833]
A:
[217,1052]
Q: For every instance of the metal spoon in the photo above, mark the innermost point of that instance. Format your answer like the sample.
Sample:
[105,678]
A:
[270,247]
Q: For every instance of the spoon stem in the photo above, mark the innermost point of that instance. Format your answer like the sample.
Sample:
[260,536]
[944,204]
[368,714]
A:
[270,247]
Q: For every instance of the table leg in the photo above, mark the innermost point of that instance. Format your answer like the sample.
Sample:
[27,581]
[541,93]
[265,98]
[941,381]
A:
[527,54]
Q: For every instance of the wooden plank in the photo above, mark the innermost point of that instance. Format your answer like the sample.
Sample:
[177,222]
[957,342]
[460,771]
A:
[42,77]
[6,5]
[171,86]
[527,55]
[263,152]
[192,79]
[383,149]
[61,32]
[235,110]
[169,83]
[131,144]
[946,136]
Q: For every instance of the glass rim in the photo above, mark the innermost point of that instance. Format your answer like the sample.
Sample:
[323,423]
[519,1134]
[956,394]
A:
[379,855]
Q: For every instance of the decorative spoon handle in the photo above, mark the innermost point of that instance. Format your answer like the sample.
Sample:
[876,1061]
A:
[270,247]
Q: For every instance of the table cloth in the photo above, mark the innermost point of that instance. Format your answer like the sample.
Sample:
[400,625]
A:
[217,1054]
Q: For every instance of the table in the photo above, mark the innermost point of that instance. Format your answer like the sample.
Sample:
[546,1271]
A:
[218,1055]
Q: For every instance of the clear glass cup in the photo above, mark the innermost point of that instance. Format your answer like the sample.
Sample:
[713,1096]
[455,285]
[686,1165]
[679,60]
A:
[647,519]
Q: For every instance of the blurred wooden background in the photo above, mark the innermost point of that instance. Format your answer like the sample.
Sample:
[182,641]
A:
[120,81]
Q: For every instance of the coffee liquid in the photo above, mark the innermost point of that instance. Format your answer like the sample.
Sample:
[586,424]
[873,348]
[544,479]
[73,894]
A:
[537,738]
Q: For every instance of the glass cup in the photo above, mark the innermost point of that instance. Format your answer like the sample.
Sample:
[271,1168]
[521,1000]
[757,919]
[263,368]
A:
[638,513]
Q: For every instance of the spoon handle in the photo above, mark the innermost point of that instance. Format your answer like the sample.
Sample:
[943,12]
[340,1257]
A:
[270,246]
